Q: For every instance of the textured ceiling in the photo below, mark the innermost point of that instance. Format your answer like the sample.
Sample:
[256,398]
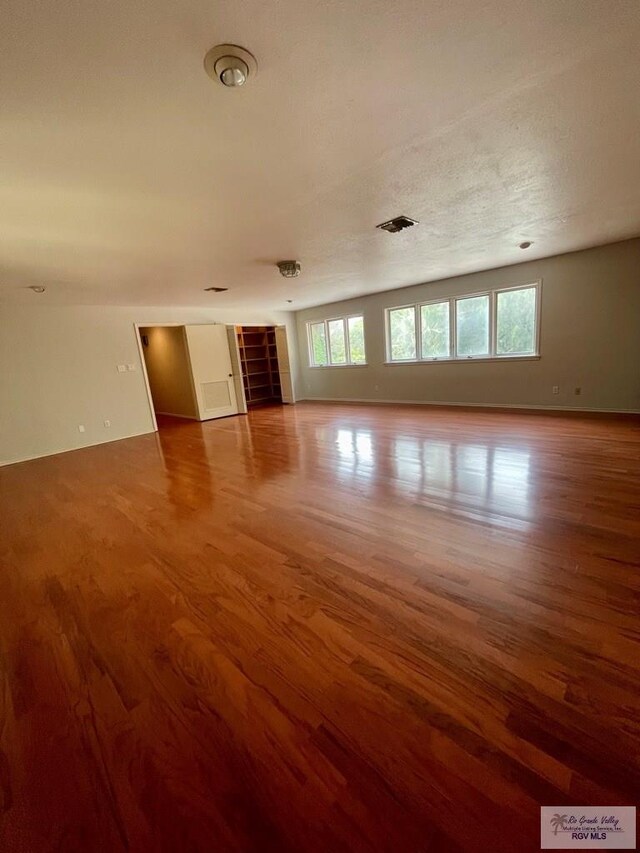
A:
[128,177]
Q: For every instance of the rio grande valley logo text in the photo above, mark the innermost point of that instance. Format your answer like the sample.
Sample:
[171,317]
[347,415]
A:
[586,827]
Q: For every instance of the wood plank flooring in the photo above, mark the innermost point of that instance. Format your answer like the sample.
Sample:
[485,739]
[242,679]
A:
[320,628]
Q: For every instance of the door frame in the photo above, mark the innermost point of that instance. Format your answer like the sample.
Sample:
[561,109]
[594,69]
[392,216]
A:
[143,363]
[274,326]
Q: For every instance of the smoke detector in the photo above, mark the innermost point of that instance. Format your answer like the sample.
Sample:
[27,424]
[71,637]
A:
[397,224]
[289,269]
[230,65]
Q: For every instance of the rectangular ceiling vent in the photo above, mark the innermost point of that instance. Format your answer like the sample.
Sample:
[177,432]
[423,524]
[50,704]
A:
[216,289]
[397,224]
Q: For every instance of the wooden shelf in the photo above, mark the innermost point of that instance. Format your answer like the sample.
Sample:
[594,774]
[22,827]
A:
[257,347]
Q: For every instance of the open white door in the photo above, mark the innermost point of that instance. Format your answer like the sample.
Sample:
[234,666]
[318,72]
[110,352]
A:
[236,369]
[284,366]
[211,371]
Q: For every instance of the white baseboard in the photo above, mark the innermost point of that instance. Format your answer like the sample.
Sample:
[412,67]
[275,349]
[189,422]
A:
[370,400]
[19,459]
[446,403]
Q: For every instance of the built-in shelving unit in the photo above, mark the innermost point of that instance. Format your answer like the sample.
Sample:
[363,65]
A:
[259,362]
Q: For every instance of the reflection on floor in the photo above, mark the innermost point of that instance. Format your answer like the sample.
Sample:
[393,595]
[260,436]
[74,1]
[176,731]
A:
[320,627]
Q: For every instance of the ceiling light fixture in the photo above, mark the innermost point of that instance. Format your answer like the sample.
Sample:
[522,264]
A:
[230,65]
[216,289]
[525,245]
[289,269]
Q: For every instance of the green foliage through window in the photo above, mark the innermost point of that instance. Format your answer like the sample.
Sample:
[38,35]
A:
[337,342]
[319,343]
[472,325]
[435,330]
[356,340]
[497,324]
[516,317]
[402,328]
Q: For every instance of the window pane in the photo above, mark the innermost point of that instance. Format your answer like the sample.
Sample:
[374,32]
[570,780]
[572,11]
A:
[337,347]
[435,330]
[402,330]
[319,343]
[356,339]
[516,322]
[472,325]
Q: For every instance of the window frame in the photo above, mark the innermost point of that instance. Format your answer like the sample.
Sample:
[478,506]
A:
[388,333]
[453,356]
[344,318]
[452,331]
[537,287]
[310,341]
[491,326]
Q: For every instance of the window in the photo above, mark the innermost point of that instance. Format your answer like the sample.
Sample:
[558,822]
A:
[516,321]
[356,339]
[318,338]
[435,331]
[402,328]
[336,343]
[472,326]
[501,323]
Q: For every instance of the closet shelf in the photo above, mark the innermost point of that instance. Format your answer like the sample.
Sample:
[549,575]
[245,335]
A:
[257,348]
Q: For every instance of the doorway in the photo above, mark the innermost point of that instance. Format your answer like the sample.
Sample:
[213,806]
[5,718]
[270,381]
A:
[188,370]
[263,363]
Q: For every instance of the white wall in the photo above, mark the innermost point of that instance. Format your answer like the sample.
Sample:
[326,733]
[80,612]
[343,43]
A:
[169,371]
[58,369]
[590,338]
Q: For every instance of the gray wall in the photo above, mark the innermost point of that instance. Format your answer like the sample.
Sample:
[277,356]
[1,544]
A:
[590,338]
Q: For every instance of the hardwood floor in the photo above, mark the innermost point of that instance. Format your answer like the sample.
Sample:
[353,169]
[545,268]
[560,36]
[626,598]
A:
[320,628]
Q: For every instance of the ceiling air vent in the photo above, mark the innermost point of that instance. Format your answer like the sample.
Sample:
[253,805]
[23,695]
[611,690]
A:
[397,224]
[216,289]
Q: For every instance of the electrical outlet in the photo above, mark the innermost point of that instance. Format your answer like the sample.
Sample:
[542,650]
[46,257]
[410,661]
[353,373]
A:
[107,423]
[577,391]
[556,389]
[80,427]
